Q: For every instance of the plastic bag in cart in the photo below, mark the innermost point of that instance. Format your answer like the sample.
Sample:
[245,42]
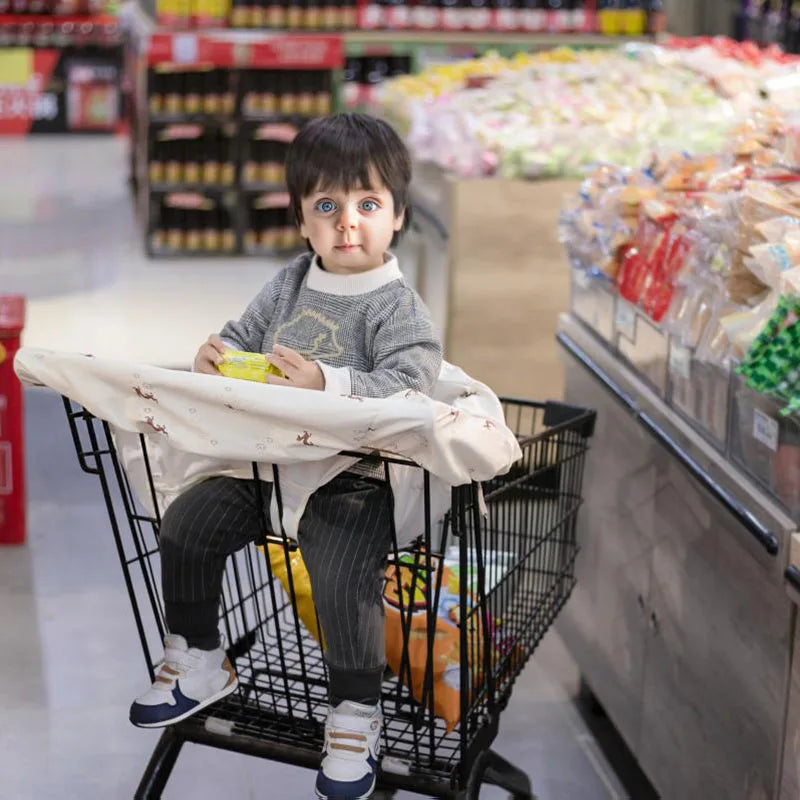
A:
[411,611]
[409,578]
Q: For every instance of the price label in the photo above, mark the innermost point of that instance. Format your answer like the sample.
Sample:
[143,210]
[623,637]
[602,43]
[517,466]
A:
[765,430]
[581,278]
[625,320]
[184,48]
[680,360]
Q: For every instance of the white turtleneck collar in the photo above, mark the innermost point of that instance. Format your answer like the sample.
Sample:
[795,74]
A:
[358,283]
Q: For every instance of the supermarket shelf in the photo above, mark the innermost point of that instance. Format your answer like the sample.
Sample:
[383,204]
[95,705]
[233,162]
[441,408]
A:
[206,120]
[190,188]
[381,37]
[263,188]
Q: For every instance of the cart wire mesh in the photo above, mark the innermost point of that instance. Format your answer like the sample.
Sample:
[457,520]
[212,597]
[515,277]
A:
[510,543]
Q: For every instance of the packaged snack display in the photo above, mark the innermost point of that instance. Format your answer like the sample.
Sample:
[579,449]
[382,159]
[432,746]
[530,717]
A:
[556,113]
[707,248]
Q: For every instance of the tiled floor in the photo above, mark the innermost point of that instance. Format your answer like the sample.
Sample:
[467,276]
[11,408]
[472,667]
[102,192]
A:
[70,660]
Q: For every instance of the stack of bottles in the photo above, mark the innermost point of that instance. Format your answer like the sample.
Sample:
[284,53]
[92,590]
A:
[290,93]
[631,17]
[192,13]
[189,155]
[269,229]
[180,92]
[207,227]
[302,15]
[769,22]
[364,74]
[264,163]
[55,7]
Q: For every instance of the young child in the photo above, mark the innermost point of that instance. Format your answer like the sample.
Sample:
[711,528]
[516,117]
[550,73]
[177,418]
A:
[339,319]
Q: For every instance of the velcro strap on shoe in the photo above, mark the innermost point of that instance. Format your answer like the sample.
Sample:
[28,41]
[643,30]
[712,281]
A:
[337,736]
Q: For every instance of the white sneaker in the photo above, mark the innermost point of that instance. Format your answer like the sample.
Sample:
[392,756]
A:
[187,680]
[350,757]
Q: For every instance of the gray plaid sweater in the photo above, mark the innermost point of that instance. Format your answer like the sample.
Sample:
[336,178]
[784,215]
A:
[370,333]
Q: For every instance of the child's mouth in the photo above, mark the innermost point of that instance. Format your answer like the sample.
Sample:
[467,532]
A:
[347,248]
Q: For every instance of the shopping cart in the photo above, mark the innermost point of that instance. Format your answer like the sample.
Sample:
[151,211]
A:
[511,542]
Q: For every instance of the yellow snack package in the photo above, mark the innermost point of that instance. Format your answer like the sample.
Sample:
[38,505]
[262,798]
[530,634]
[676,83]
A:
[247,366]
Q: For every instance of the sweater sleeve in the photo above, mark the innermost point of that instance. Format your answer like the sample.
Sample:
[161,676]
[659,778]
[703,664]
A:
[247,333]
[406,351]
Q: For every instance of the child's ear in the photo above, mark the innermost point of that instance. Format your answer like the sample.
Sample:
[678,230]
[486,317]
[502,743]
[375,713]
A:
[399,220]
[303,229]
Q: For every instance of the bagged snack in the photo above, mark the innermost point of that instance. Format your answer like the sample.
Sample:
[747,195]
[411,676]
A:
[247,366]
[301,582]
[768,262]
[405,589]
[744,288]
[742,326]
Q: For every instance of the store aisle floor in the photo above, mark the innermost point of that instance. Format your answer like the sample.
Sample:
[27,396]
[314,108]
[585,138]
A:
[71,661]
[71,241]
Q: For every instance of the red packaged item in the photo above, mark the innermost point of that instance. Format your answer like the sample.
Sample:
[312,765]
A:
[648,251]
[657,294]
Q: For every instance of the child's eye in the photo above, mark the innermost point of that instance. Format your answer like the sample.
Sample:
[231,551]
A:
[325,206]
[369,205]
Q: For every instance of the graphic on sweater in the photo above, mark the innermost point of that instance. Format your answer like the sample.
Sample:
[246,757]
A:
[313,334]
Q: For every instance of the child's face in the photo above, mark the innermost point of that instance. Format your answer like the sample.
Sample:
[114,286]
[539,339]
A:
[350,231]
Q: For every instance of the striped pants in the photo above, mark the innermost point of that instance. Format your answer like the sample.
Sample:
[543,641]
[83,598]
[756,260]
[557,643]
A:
[344,536]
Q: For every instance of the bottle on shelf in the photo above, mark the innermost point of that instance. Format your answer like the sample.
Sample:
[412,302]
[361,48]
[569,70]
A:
[348,14]
[773,25]
[227,165]
[193,237]
[610,17]
[533,16]
[191,167]
[269,92]
[175,227]
[507,16]
[211,232]
[227,234]
[656,17]
[633,17]
[211,165]
[323,98]
[426,15]
[792,35]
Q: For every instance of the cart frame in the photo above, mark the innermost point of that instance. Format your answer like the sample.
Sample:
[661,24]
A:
[519,561]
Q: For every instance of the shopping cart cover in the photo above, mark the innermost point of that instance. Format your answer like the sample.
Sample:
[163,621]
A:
[200,425]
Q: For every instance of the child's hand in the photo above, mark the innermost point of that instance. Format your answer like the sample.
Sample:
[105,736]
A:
[298,371]
[210,355]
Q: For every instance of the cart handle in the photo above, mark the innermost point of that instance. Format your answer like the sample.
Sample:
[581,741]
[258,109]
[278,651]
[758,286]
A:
[760,532]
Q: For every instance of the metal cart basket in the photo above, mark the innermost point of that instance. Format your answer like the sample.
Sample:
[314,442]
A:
[514,557]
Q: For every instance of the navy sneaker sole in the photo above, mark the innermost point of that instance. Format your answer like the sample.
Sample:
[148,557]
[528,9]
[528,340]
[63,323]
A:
[328,789]
[163,715]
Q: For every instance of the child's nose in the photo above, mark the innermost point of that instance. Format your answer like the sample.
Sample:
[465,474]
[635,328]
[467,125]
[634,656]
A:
[348,219]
